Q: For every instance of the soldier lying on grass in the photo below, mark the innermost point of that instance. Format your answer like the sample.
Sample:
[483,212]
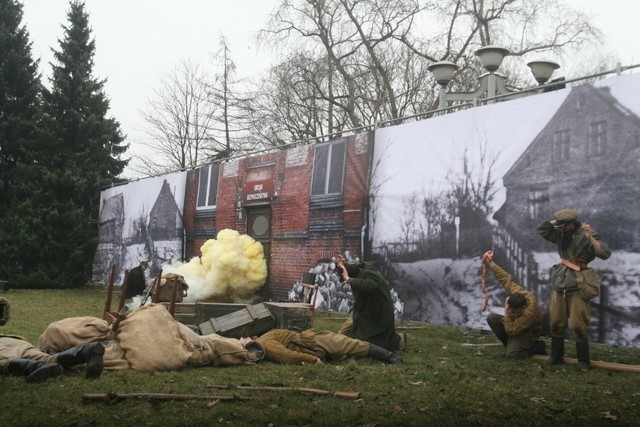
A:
[148,339]
[289,346]
[20,357]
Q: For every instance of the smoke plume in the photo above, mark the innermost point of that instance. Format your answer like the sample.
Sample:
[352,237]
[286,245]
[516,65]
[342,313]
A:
[231,268]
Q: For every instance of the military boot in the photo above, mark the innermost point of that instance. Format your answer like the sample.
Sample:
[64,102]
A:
[36,371]
[557,351]
[582,353]
[539,347]
[383,355]
[91,354]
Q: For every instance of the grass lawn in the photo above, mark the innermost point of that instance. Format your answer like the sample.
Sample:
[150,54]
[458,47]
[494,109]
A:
[441,383]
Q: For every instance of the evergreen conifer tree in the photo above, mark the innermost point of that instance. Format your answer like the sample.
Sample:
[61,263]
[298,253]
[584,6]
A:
[83,153]
[20,131]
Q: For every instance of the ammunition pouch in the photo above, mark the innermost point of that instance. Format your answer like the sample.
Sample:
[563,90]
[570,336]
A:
[563,279]
[588,283]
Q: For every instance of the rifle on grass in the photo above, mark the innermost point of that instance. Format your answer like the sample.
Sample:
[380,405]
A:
[345,394]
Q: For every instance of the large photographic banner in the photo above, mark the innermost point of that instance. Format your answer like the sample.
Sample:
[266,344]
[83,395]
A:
[141,220]
[446,189]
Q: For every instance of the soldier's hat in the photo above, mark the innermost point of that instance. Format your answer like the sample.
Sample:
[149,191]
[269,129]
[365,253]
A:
[565,216]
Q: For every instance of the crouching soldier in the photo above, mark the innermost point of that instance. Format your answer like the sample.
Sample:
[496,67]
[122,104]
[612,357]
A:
[520,328]
[291,347]
[19,357]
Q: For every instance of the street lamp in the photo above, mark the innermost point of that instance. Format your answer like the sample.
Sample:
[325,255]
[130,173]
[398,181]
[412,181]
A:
[491,83]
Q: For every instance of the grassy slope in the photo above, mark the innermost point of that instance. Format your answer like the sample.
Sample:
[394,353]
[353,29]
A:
[440,383]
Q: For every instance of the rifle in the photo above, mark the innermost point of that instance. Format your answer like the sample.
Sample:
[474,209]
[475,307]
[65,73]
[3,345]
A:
[121,315]
[125,309]
[150,290]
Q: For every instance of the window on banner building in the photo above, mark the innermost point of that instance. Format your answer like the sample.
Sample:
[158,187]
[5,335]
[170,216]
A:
[538,202]
[208,186]
[561,147]
[328,168]
[597,138]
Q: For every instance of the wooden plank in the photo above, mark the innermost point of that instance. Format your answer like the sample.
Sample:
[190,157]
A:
[247,322]
[208,310]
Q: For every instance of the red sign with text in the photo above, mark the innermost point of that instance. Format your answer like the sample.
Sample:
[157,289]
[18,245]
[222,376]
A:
[258,191]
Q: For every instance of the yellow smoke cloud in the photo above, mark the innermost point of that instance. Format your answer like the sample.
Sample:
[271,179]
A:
[232,267]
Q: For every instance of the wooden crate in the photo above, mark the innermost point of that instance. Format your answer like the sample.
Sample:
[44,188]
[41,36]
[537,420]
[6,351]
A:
[250,321]
[290,315]
[183,312]
[211,310]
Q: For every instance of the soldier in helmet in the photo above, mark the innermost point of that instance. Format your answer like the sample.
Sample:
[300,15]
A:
[574,282]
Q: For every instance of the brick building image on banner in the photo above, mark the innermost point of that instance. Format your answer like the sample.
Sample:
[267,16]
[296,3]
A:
[304,205]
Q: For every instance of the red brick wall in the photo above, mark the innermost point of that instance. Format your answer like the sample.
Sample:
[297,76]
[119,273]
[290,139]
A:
[230,183]
[295,247]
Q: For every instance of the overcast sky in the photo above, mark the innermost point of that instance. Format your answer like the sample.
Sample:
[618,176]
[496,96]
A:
[137,41]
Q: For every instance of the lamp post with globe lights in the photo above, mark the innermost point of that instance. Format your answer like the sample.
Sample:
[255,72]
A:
[491,83]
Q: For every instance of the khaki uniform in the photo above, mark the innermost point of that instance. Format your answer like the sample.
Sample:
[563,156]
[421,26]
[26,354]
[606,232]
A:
[521,328]
[567,308]
[287,346]
[16,347]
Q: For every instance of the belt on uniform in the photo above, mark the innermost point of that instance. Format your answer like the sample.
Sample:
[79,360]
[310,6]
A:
[575,265]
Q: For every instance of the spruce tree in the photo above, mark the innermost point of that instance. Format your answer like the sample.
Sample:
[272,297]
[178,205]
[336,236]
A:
[83,149]
[20,130]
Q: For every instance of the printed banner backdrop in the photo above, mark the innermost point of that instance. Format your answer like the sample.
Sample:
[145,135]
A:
[142,220]
[446,189]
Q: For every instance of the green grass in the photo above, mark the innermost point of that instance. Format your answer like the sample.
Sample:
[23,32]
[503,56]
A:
[441,383]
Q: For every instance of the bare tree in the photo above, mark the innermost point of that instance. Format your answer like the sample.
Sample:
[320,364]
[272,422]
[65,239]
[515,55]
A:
[233,119]
[366,60]
[475,186]
[353,44]
[409,225]
[525,27]
[179,122]
[290,104]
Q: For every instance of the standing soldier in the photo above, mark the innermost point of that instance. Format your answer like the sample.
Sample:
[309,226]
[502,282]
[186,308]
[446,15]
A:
[574,283]
[136,280]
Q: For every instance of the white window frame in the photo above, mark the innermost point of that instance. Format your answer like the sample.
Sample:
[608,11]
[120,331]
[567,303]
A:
[208,190]
[327,176]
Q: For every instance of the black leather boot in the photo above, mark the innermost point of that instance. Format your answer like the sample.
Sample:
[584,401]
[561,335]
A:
[582,353]
[539,347]
[35,370]
[91,354]
[383,355]
[557,351]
